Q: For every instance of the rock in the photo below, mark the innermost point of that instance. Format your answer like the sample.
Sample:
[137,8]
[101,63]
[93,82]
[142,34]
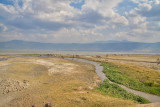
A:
[48,105]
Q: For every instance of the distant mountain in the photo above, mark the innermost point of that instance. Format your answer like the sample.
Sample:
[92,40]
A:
[103,46]
[111,41]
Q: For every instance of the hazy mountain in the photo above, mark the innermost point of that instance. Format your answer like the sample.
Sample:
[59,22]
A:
[107,46]
[111,41]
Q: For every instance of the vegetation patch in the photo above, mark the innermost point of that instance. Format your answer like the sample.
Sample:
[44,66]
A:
[132,78]
[116,91]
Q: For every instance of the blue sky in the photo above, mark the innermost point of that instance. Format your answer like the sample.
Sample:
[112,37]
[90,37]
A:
[7,2]
[80,21]
[77,4]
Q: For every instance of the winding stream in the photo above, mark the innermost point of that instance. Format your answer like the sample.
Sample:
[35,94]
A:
[99,69]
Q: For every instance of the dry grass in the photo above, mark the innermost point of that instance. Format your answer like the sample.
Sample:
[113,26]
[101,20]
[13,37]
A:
[147,61]
[149,77]
[74,88]
[146,75]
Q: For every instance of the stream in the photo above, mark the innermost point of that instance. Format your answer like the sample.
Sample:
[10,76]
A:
[99,71]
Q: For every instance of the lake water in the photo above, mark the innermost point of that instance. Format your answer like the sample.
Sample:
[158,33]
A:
[5,52]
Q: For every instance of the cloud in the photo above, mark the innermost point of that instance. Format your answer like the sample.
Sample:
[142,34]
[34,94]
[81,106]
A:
[2,28]
[144,20]
[148,8]
[104,7]
[85,21]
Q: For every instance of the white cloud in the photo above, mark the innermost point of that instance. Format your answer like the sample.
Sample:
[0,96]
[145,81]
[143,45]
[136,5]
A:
[2,27]
[145,7]
[157,1]
[104,7]
[57,21]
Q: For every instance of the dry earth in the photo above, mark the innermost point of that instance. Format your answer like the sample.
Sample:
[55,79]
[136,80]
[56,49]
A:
[27,81]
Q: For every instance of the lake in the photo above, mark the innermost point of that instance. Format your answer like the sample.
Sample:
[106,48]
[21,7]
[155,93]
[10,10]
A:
[5,52]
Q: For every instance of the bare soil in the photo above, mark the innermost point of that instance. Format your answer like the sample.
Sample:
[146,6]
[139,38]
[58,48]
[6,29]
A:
[28,81]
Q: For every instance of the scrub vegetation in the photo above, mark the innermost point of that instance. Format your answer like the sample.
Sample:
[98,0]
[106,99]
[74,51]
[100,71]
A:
[145,80]
[116,91]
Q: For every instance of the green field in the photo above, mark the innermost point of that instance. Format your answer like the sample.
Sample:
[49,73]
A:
[135,78]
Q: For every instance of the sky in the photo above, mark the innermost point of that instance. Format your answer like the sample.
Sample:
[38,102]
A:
[80,21]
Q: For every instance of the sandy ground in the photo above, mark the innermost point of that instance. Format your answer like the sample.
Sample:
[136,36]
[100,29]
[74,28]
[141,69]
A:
[149,105]
[27,81]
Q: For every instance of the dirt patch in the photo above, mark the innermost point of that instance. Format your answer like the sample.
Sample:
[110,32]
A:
[61,68]
[10,85]
[54,68]
[43,62]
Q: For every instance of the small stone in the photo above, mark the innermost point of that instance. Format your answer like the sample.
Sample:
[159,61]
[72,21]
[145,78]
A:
[48,105]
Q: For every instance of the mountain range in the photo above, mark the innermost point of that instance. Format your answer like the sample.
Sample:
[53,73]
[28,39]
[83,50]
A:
[102,46]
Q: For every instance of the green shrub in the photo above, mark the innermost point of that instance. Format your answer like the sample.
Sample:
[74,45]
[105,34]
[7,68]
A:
[117,91]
